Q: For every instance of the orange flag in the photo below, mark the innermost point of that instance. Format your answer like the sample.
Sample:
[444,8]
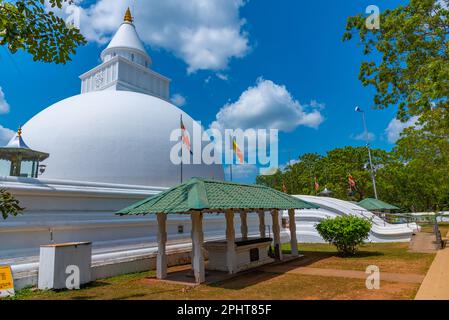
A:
[351,181]
[185,136]
[284,188]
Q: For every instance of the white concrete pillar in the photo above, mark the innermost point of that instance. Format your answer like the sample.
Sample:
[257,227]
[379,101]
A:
[244,225]
[277,234]
[230,245]
[262,227]
[197,247]
[161,260]
[293,238]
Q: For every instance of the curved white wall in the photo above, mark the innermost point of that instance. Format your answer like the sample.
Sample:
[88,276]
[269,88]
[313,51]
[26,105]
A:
[59,211]
[330,207]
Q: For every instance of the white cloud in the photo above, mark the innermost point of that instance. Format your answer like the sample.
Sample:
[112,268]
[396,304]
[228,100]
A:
[205,34]
[266,106]
[395,128]
[5,135]
[4,106]
[268,171]
[289,163]
[316,105]
[178,100]
[362,136]
[222,76]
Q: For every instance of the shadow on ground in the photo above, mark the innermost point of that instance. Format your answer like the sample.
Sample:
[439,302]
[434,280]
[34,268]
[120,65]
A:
[255,276]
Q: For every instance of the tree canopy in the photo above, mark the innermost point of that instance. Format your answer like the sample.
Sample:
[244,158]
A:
[9,206]
[28,25]
[413,176]
[413,70]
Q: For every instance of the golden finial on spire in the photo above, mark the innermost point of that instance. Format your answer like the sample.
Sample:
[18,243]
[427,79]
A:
[128,16]
[19,132]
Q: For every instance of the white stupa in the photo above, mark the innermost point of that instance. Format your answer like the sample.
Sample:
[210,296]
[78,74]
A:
[107,148]
[118,129]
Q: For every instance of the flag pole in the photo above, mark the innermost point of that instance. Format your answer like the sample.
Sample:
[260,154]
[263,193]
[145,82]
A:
[182,145]
[232,158]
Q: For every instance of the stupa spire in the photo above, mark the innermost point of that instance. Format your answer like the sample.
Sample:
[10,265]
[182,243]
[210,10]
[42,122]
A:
[19,132]
[128,17]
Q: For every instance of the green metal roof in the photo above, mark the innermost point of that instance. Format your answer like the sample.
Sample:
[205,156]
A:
[211,195]
[374,204]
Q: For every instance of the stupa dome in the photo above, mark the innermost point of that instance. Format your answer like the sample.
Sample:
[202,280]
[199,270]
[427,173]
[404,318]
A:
[112,136]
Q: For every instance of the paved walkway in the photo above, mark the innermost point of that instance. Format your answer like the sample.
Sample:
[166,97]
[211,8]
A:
[423,242]
[436,283]
[353,274]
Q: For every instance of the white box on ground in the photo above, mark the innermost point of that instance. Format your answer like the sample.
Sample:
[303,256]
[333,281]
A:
[65,266]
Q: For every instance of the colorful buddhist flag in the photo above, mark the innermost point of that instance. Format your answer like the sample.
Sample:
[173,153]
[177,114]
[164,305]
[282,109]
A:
[185,136]
[237,150]
[317,185]
[284,188]
[351,182]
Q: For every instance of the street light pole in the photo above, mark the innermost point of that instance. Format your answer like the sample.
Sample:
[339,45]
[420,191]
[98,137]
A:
[373,174]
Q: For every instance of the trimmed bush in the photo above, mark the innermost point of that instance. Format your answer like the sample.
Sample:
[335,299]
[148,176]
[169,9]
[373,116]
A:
[346,232]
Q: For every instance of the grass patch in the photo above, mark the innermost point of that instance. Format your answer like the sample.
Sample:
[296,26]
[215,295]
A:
[389,257]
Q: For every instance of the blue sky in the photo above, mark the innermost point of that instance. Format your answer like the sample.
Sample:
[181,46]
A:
[296,44]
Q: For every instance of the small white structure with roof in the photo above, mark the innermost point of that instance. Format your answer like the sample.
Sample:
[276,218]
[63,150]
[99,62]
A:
[17,152]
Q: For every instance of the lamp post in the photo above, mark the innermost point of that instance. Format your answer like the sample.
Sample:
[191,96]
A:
[373,175]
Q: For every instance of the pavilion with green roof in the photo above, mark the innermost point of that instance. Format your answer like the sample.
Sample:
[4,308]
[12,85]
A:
[372,204]
[199,196]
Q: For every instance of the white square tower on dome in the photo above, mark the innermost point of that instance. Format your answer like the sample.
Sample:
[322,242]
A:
[126,66]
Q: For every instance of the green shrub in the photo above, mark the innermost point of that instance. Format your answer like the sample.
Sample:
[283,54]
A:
[346,232]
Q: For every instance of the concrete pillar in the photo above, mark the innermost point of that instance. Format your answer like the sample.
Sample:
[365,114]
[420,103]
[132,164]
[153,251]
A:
[161,262]
[197,247]
[244,225]
[262,227]
[293,238]
[277,234]
[230,239]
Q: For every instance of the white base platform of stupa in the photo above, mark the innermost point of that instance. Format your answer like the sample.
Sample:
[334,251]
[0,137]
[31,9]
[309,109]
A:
[70,211]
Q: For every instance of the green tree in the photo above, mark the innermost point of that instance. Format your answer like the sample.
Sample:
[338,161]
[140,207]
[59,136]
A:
[27,25]
[9,206]
[425,154]
[407,64]
[413,69]
[331,171]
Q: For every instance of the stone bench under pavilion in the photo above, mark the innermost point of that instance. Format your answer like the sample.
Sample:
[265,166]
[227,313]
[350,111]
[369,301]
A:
[198,197]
